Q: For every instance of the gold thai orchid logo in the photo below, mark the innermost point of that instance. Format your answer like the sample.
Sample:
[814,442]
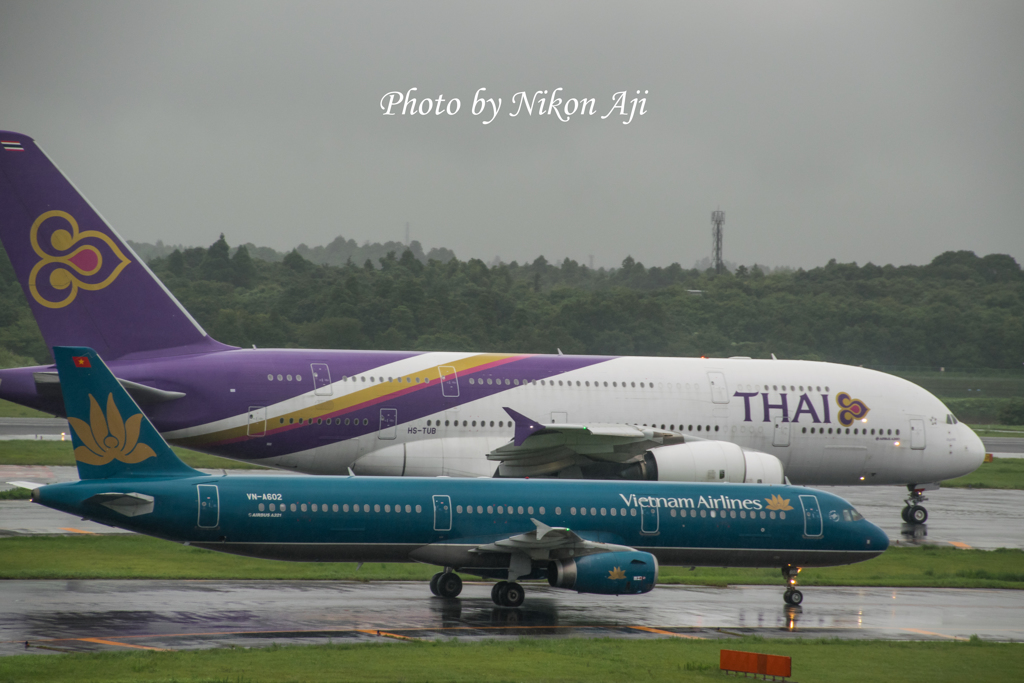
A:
[777,502]
[850,409]
[108,438]
[55,280]
[617,573]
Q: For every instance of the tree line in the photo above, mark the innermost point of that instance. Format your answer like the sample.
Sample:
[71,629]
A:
[959,311]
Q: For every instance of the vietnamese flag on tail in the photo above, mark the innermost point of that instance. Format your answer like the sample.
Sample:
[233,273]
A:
[81,361]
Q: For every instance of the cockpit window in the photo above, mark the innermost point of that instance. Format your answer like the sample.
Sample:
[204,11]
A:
[852,515]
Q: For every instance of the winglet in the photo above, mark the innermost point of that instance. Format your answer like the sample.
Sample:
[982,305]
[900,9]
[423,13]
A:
[525,427]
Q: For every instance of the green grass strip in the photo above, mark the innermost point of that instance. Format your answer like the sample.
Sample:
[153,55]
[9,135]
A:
[1001,473]
[531,659]
[141,557]
[9,409]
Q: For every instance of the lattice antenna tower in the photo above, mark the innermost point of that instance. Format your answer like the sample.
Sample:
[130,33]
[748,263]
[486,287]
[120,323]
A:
[717,220]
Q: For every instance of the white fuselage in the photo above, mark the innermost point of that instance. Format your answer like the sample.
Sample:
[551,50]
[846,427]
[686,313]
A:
[793,410]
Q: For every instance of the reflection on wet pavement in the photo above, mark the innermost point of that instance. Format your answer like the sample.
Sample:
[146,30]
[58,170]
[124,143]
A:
[105,615]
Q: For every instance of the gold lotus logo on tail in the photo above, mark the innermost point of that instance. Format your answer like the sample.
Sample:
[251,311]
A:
[616,573]
[108,438]
[778,503]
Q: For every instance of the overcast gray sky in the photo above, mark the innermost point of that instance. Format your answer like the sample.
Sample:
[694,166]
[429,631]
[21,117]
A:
[863,131]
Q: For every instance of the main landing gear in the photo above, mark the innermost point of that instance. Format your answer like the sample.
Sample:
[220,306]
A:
[507,594]
[914,512]
[446,584]
[792,596]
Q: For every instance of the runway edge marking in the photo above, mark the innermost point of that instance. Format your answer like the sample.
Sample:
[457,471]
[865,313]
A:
[665,633]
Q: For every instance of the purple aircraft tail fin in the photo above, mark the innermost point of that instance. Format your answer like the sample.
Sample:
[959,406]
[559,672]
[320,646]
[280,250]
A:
[85,285]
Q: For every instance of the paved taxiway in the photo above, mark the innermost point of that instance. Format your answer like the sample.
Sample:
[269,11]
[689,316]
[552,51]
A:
[59,616]
[32,427]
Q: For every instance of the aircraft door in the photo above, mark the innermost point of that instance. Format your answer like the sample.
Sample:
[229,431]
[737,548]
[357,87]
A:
[449,381]
[780,434]
[719,389]
[321,379]
[209,506]
[917,437]
[388,423]
[649,520]
[257,421]
[442,513]
[812,517]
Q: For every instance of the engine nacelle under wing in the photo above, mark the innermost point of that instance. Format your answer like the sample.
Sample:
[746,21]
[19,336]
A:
[620,573]
[713,461]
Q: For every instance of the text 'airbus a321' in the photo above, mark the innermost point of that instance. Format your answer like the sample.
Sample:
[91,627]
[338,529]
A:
[325,411]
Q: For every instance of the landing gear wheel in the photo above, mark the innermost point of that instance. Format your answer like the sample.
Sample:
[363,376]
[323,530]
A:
[511,595]
[905,514]
[449,585]
[433,583]
[793,597]
[496,592]
[917,515]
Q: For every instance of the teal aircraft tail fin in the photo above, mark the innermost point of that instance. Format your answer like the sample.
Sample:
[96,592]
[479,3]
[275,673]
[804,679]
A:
[111,436]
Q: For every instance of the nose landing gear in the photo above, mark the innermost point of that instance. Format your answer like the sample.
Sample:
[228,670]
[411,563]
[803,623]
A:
[914,512]
[792,596]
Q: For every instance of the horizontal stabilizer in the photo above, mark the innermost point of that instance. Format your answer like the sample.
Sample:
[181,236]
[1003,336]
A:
[25,484]
[48,384]
[127,504]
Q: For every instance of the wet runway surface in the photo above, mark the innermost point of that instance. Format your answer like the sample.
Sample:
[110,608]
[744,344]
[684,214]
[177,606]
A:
[29,427]
[1003,444]
[62,616]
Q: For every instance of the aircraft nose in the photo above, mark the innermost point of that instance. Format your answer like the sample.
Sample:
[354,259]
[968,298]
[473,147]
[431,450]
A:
[974,450]
[876,540]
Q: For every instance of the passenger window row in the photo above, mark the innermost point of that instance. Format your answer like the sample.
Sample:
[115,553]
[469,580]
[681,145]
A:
[509,510]
[862,431]
[365,507]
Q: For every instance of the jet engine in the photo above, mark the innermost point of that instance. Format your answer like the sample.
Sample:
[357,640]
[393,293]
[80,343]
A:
[707,461]
[622,573]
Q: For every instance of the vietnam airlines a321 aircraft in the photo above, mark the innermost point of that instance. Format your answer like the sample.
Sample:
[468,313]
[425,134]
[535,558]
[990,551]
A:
[456,414]
[605,537]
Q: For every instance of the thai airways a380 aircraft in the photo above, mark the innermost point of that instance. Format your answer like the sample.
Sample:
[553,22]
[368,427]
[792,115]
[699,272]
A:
[455,414]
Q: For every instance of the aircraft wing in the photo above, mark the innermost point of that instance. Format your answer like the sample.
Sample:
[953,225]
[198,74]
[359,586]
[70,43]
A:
[545,542]
[543,449]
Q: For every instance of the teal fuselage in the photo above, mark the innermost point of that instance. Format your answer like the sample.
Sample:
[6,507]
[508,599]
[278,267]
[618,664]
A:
[445,521]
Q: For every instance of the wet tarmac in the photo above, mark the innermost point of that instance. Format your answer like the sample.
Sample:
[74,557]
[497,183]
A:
[74,616]
[32,427]
[1002,445]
